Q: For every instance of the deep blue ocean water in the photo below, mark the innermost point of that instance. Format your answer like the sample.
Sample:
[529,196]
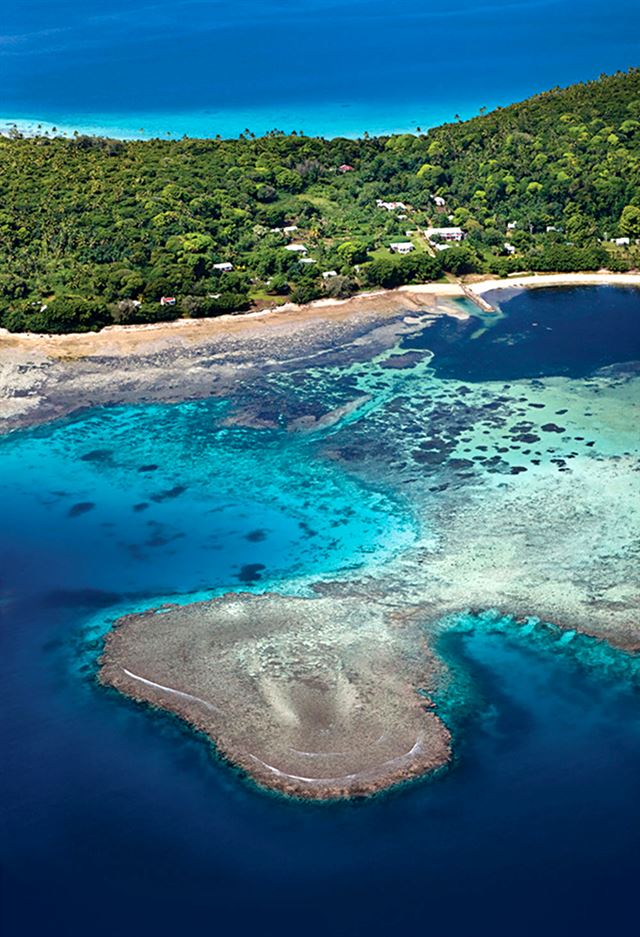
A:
[119,821]
[327,67]
[537,333]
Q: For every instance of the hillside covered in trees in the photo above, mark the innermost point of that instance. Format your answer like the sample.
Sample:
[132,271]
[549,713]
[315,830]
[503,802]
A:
[95,231]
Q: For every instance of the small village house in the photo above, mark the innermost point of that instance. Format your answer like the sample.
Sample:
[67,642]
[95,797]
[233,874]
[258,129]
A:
[391,206]
[401,247]
[297,248]
[224,267]
[167,300]
[445,234]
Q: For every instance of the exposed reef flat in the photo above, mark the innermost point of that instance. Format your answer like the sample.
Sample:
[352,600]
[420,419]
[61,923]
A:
[43,377]
[312,697]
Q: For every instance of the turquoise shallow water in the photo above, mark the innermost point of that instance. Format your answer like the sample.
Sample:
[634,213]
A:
[151,500]
[328,67]
[122,821]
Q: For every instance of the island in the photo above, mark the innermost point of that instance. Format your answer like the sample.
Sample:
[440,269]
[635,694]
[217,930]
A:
[417,352]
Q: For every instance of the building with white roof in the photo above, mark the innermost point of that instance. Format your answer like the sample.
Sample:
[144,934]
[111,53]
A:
[447,234]
[390,206]
[401,247]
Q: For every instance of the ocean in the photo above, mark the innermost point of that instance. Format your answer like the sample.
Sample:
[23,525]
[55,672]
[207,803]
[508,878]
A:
[137,68]
[118,820]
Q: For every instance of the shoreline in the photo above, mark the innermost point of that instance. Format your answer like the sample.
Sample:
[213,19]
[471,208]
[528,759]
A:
[375,302]
[525,281]
[330,120]
[87,343]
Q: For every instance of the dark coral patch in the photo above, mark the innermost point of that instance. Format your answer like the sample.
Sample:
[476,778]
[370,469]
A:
[250,572]
[409,360]
[97,455]
[169,493]
[80,508]
[526,437]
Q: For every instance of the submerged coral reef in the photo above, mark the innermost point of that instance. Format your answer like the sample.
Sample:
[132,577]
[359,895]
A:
[524,499]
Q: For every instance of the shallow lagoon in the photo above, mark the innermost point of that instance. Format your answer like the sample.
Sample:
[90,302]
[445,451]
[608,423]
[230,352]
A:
[534,828]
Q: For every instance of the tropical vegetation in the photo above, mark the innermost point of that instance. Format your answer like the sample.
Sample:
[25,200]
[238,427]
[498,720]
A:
[96,231]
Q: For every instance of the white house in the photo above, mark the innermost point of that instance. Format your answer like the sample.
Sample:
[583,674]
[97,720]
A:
[401,247]
[440,202]
[290,228]
[622,242]
[442,247]
[307,260]
[512,225]
[329,273]
[297,248]
[224,267]
[510,249]
[447,234]
[390,206]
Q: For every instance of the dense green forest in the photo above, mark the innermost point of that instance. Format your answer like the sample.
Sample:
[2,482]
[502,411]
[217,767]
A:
[95,231]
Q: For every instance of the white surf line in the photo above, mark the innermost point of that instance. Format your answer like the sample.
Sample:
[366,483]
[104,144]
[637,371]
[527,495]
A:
[416,747]
[296,751]
[168,689]
[298,777]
